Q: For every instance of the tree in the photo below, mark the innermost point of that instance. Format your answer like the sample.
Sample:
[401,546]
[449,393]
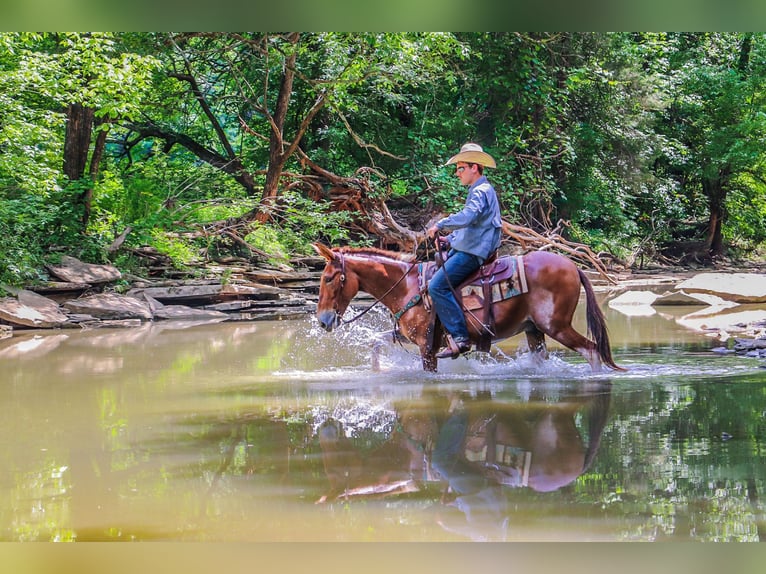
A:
[717,116]
[86,80]
[265,92]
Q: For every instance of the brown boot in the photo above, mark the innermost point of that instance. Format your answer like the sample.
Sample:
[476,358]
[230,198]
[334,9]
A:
[454,348]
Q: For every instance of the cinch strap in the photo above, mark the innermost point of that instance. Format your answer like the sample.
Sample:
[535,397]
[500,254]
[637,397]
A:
[410,304]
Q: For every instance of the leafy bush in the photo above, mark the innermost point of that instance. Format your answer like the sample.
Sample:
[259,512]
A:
[37,229]
[297,222]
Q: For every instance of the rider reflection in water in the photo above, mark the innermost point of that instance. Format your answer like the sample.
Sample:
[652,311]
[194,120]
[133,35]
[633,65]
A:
[475,236]
[477,497]
[480,449]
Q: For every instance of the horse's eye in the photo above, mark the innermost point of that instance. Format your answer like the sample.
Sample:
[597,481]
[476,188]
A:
[328,279]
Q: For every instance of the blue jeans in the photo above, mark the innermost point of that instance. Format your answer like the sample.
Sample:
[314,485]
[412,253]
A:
[447,457]
[457,268]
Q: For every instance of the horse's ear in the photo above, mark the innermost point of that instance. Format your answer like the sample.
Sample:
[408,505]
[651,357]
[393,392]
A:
[324,251]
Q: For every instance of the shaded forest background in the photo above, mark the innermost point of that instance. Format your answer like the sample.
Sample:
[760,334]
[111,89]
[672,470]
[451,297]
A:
[198,147]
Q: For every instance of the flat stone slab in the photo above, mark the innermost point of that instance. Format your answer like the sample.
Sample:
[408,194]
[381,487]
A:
[682,298]
[55,287]
[42,316]
[110,306]
[73,270]
[208,293]
[183,312]
[737,287]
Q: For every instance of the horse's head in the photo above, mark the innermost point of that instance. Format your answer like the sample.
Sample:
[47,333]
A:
[336,288]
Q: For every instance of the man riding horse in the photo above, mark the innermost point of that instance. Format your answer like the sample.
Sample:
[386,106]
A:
[475,235]
[536,293]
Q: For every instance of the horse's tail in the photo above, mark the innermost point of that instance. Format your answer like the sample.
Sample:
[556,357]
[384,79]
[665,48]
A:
[597,324]
[597,413]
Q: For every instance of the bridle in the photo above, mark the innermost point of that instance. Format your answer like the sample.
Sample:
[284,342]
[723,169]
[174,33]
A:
[377,299]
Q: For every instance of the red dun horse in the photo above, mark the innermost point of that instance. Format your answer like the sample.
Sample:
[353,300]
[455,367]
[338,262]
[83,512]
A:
[393,279]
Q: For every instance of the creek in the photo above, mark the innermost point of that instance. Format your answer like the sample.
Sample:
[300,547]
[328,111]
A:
[278,431]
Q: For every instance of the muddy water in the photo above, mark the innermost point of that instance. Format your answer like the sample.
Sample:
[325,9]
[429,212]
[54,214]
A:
[277,431]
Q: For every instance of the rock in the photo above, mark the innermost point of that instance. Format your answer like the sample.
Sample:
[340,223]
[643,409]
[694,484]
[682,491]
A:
[32,299]
[110,306]
[737,287]
[113,324]
[755,354]
[6,331]
[43,314]
[73,270]
[691,299]
[184,312]
[634,298]
[634,303]
[230,306]
[60,290]
[205,294]
[251,291]
[749,344]
[722,350]
[74,319]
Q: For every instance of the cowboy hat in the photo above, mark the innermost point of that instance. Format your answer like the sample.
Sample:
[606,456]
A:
[472,153]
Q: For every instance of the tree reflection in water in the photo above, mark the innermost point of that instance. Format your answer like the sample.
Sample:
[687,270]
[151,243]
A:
[235,432]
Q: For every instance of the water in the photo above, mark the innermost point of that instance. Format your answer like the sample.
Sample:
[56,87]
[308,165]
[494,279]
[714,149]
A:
[277,431]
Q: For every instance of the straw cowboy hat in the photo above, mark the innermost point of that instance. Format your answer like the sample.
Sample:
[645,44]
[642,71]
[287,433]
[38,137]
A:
[472,153]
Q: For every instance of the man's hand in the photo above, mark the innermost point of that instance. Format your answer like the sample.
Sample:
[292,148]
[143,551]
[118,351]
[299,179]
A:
[433,231]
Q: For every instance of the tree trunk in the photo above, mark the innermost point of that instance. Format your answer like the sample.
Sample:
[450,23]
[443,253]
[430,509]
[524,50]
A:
[277,155]
[716,194]
[79,131]
[95,165]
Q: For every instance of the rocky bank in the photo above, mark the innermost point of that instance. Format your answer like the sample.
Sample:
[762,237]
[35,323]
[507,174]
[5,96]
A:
[727,305]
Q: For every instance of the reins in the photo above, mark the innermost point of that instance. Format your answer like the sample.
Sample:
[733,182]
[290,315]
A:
[377,299]
[412,302]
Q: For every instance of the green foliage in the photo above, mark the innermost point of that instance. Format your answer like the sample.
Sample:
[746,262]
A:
[35,229]
[747,214]
[181,252]
[298,222]
[621,134]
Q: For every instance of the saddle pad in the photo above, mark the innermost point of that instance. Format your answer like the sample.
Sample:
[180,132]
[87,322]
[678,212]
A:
[509,282]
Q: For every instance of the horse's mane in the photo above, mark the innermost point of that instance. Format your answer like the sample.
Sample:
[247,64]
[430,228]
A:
[376,252]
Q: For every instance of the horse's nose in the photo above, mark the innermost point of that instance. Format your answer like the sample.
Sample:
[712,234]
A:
[328,319]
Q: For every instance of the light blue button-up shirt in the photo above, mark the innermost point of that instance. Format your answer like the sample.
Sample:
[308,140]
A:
[476,229]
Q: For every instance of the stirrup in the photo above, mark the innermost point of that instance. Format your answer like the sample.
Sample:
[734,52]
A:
[454,349]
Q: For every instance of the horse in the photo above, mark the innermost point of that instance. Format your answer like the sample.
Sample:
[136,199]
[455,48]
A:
[394,279]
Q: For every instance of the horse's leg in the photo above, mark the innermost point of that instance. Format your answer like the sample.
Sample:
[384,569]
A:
[429,360]
[536,342]
[432,333]
[570,338]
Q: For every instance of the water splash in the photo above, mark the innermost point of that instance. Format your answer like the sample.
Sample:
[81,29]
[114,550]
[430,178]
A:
[364,352]
[366,349]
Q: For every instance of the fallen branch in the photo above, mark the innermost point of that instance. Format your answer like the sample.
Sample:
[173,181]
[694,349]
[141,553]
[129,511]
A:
[529,240]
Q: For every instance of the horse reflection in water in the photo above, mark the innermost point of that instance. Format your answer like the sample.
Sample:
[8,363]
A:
[478,448]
